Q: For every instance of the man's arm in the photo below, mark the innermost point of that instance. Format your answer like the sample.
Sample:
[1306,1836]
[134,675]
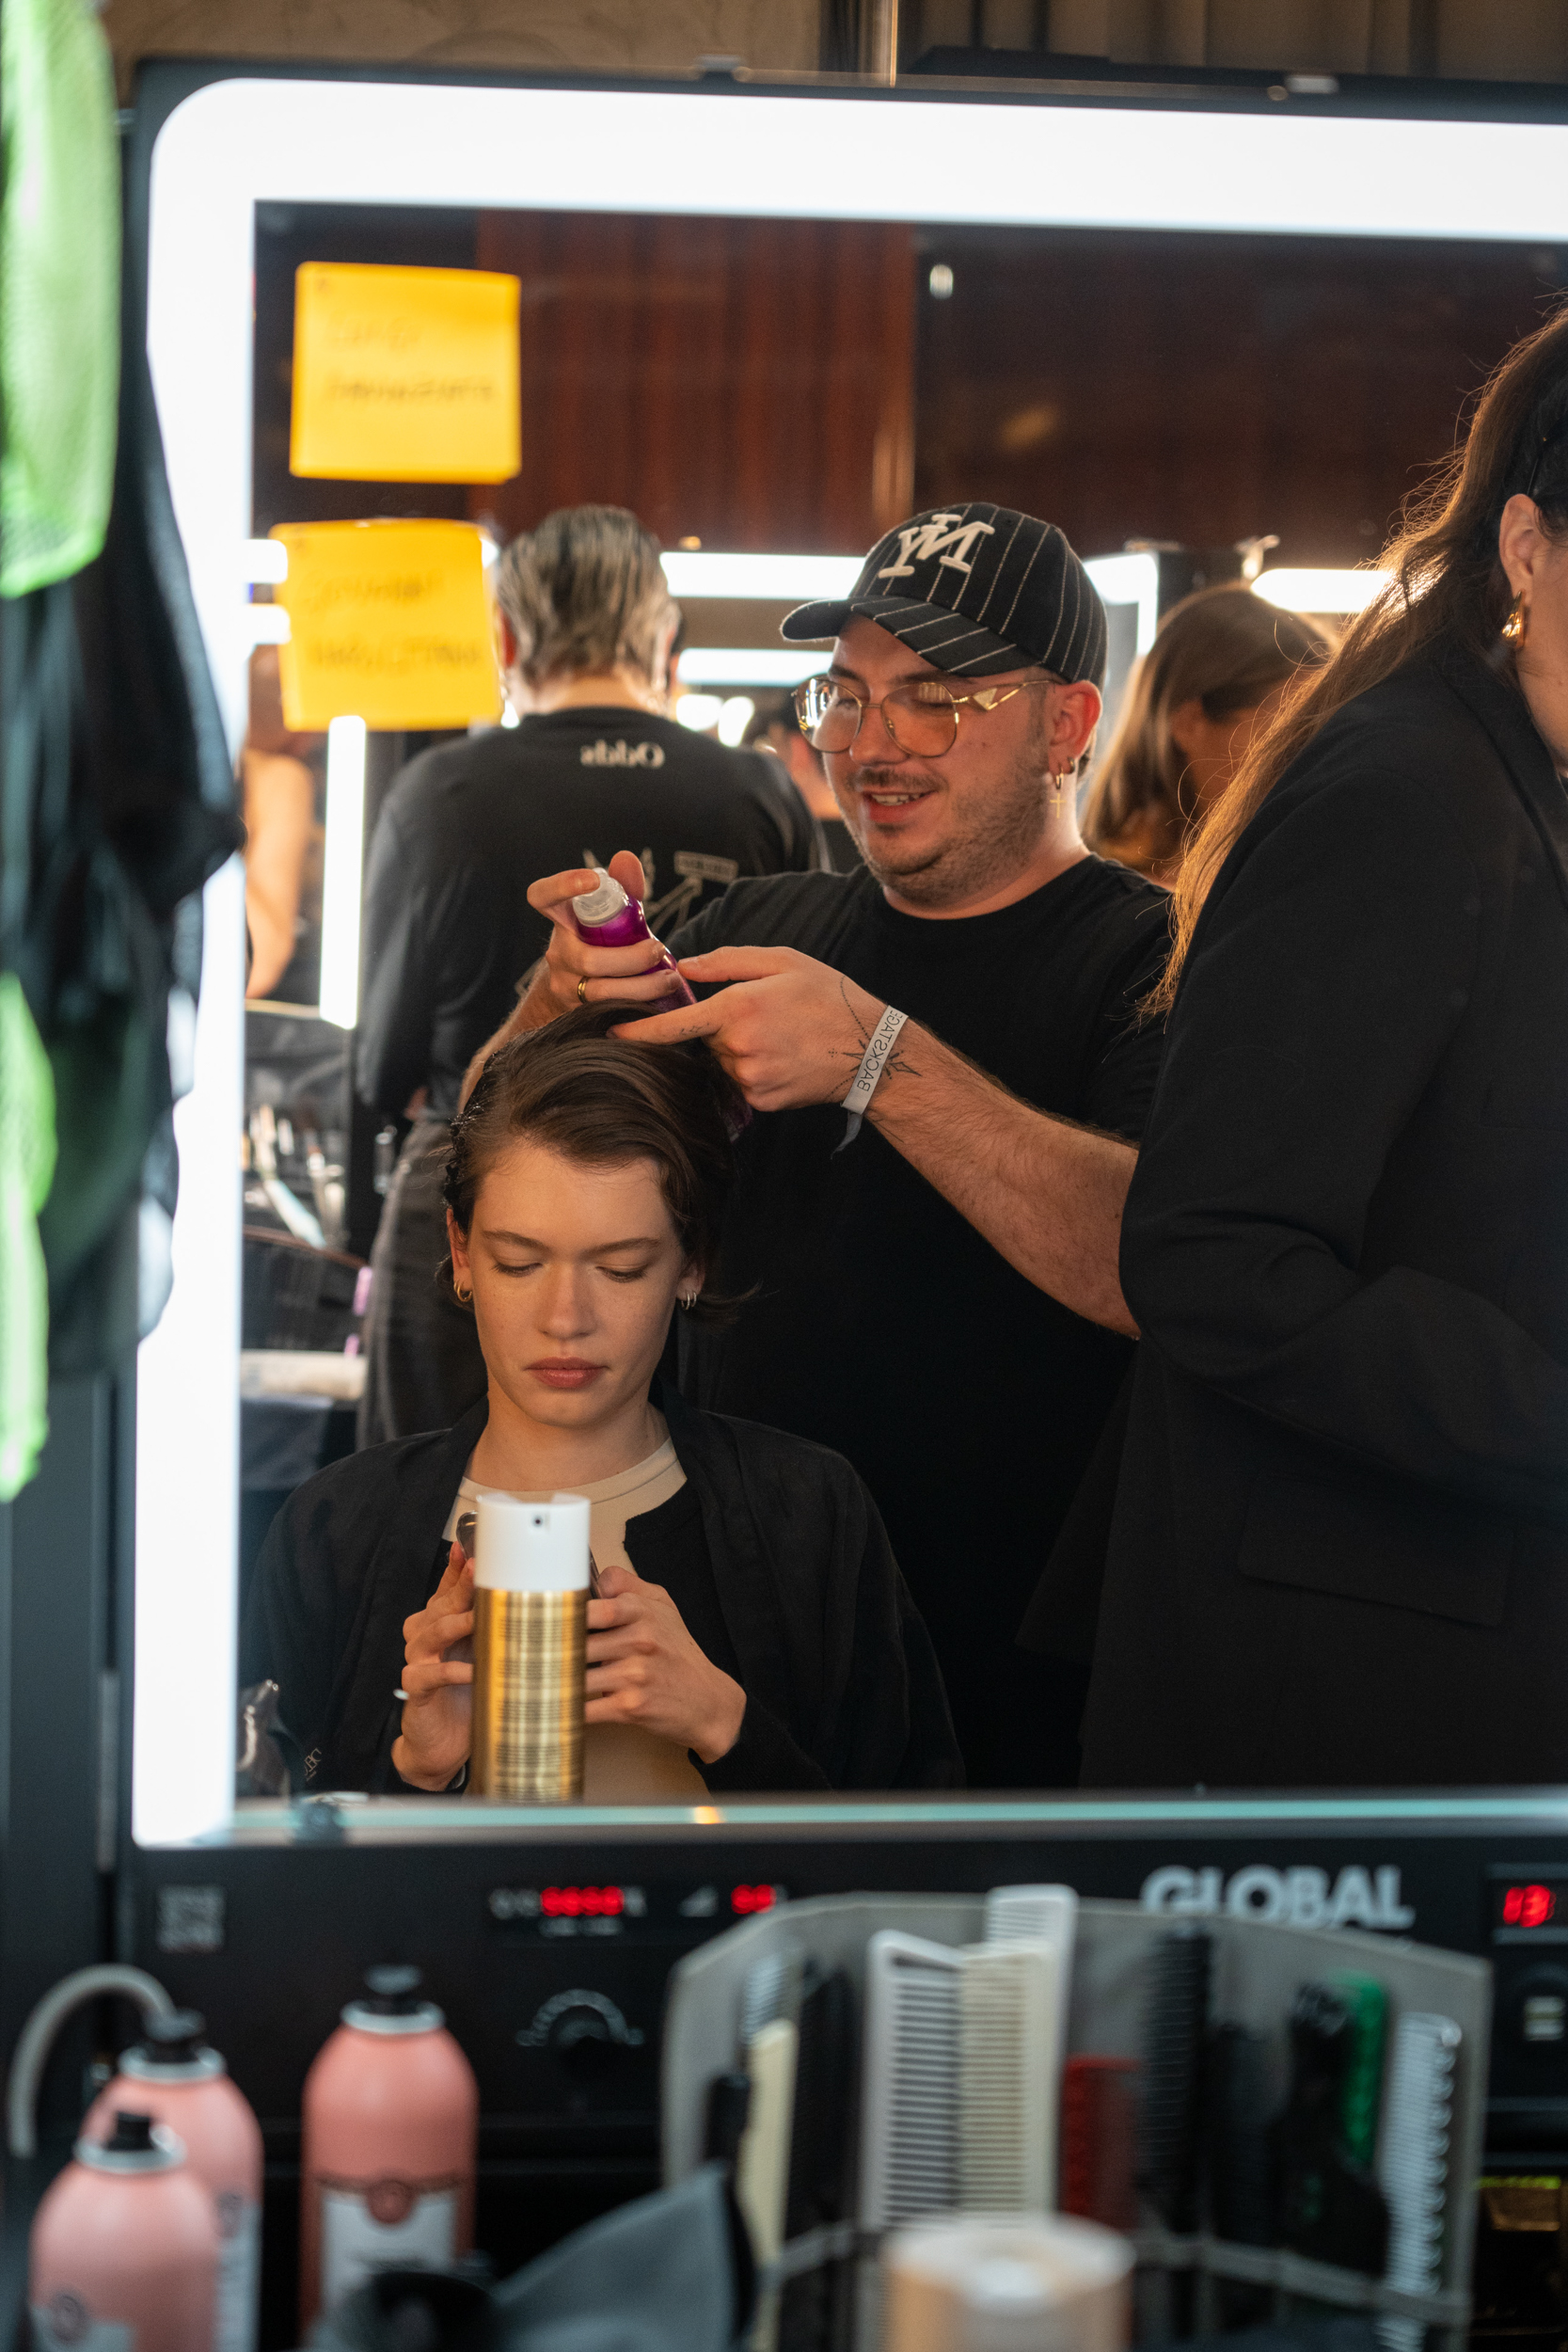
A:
[1047,1194]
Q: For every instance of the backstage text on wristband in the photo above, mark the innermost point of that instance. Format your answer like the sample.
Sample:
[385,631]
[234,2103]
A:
[873,1062]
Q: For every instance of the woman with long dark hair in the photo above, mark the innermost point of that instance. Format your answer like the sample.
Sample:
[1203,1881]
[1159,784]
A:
[750,1630]
[1216,674]
[1341,1545]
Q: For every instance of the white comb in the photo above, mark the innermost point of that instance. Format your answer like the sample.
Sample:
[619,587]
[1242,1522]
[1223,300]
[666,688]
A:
[1413,2162]
[910,2092]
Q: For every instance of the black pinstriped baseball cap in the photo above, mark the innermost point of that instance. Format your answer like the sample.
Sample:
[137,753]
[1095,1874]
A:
[974,590]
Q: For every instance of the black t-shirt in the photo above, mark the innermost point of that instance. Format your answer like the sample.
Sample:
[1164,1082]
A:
[885,1327]
[465,830]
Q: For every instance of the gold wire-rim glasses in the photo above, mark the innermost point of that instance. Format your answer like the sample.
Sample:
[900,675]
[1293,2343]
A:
[923,694]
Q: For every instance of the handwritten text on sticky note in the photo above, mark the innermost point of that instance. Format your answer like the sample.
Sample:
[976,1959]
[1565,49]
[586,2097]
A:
[389,622]
[404,374]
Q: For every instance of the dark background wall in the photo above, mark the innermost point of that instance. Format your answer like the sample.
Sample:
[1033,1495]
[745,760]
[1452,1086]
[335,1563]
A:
[795,385]
[1203,388]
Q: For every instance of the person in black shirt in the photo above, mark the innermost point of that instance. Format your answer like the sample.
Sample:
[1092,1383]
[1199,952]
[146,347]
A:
[938,1295]
[773,727]
[752,1629]
[1340,1554]
[585,623]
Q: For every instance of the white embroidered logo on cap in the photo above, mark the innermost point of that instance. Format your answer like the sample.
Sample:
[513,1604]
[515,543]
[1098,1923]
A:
[919,542]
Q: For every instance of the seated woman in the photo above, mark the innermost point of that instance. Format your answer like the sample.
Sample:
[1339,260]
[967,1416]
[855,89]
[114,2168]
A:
[754,1627]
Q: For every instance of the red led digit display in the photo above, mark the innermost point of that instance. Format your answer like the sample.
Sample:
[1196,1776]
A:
[1529,1906]
[582,1902]
[746,1899]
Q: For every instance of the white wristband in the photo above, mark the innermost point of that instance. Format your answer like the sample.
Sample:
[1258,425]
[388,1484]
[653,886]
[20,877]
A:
[873,1062]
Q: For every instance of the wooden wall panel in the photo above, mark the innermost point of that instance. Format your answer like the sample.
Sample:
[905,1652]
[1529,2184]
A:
[1203,388]
[746,383]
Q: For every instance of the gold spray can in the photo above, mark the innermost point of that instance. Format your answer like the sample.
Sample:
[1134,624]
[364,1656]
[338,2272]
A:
[530,1630]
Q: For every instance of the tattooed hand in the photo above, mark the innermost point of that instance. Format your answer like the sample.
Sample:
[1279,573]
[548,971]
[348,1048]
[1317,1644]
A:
[789,1030]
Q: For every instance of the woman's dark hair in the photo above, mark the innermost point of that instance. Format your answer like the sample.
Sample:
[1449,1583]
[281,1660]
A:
[1447,582]
[603,1100]
[1224,648]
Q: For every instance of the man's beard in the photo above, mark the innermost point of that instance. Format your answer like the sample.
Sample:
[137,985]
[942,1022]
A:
[1003,832]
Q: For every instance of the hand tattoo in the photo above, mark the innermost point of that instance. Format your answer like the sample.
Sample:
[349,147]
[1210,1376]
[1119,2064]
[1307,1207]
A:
[896,1060]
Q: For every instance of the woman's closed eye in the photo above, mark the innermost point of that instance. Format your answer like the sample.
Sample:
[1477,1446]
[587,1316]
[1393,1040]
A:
[625,1272]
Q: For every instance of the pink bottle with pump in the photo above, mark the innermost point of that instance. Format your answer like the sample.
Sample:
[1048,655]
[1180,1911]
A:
[607,917]
[181,2082]
[124,2252]
[391,2131]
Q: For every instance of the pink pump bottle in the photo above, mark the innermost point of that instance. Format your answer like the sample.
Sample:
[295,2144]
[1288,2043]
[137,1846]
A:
[124,2252]
[182,2083]
[391,2132]
[607,917]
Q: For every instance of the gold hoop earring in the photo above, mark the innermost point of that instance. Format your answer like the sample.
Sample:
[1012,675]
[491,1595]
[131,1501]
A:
[1517,627]
[464,1299]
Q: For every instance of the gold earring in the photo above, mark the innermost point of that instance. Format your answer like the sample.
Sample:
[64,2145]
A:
[463,1298]
[1517,627]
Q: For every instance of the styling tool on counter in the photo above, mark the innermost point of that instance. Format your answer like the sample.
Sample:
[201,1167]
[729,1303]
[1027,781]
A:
[1330,2208]
[1039,1915]
[813,2310]
[1009,2074]
[607,917]
[1099,2164]
[1413,2167]
[910,2080]
[772,1989]
[762,2168]
[1175,2026]
[124,2251]
[729,2103]
[985,2285]
[530,1631]
[1238,2160]
[391,2129]
[1367,2006]
[184,2084]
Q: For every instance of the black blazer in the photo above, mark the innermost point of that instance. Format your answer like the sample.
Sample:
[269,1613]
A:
[1340,1551]
[843,1688]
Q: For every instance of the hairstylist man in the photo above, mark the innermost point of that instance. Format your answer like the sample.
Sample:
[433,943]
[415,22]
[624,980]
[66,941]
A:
[938,1300]
[585,623]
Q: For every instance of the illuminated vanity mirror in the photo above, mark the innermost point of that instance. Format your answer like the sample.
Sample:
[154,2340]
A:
[741,316]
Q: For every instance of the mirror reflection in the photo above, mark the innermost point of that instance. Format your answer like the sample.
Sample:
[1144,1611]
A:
[701,1019]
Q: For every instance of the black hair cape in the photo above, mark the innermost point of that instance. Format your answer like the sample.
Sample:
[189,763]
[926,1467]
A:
[843,1688]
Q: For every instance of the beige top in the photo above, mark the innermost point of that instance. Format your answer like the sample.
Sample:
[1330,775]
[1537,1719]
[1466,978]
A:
[622,1763]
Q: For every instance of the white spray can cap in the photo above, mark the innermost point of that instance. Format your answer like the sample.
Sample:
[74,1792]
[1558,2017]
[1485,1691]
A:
[599,904]
[532,1547]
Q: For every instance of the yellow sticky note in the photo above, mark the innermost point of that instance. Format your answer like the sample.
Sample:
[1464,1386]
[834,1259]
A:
[405,374]
[389,622]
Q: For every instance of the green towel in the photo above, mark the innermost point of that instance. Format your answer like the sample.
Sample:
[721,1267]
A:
[26,1170]
[60,291]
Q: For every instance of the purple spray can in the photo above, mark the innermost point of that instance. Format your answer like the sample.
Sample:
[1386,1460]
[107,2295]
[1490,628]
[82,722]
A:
[607,917]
